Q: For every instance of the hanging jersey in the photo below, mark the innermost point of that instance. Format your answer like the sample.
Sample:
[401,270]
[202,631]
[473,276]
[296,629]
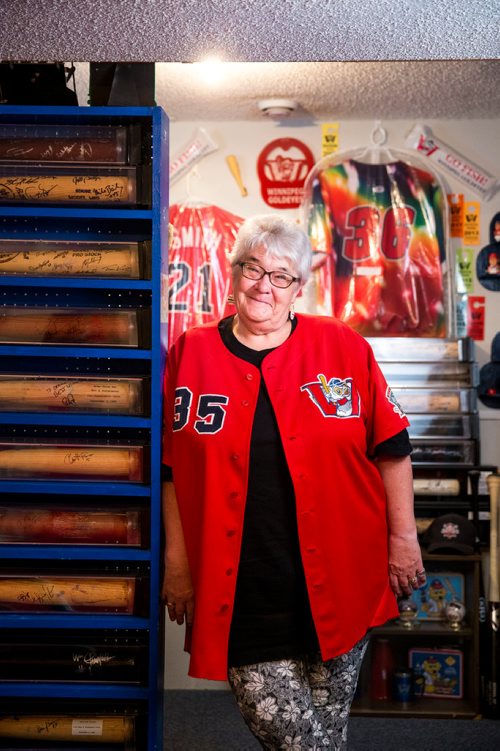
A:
[383,247]
[199,272]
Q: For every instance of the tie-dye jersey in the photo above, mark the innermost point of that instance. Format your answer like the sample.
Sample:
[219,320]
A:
[380,228]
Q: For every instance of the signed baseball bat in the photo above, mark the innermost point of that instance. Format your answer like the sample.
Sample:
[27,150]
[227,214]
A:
[70,395]
[72,188]
[89,261]
[69,593]
[492,685]
[56,727]
[234,167]
[60,326]
[48,525]
[63,149]
[436,486]
[92,462]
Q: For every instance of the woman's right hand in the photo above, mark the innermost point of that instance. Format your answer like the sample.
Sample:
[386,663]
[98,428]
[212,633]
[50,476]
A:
[178,593]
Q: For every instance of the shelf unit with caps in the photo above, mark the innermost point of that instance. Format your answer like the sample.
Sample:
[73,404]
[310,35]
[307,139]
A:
[83,245]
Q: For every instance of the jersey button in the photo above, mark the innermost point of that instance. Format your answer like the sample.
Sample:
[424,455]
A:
[244,402]
[224,607]
[235,457]
[229,571]
[230,532]
[249,376]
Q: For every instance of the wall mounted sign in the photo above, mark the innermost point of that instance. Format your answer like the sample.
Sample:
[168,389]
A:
[283,166]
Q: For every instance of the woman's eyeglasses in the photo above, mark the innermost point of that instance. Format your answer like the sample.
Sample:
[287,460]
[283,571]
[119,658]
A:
[277,278]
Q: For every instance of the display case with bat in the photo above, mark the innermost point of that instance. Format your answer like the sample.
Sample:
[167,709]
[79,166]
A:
[73,394]
[98,327]
[81,258]
[37,523]
[423,349]
[85,725]
[90,144]
[74,185]
[90,462]
[70,590]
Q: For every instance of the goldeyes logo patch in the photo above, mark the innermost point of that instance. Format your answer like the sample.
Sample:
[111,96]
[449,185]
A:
[334,397]
[396,406]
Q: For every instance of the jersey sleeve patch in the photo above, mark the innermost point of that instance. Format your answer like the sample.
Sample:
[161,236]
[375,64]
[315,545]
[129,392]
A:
[394,402]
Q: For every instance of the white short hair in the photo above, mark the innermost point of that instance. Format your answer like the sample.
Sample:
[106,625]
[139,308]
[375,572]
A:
[282,238]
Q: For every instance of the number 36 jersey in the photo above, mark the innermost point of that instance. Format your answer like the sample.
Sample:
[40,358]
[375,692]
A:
[199,272]
[379,231]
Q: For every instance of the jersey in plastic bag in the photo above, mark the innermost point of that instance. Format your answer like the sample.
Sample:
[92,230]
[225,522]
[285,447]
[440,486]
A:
[379,230]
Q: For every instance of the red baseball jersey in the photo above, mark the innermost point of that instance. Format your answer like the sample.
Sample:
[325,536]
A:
[332,406]
[199,273]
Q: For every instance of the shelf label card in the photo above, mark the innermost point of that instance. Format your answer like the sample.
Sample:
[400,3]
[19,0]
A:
[456,206]
[475,318]
[329,138]
[86,726]
[465,268]
[472,223]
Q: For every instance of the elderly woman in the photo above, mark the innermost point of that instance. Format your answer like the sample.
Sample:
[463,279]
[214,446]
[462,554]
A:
[288,498]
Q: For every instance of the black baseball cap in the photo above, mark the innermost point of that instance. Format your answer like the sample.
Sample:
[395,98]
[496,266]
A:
[450,533]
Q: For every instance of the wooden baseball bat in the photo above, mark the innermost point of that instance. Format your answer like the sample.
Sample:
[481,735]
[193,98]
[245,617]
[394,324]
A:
[67,188]
[492,686]
[62,149]
[18,393]
[49,525]
[70,593]
[92,462]
[61,326]
[57,727]
[49,260]
[232,163]
[436,486]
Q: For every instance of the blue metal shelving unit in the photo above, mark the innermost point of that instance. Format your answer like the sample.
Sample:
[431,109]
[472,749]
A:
[31,222]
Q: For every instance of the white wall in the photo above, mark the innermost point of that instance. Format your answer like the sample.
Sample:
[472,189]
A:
[211,182]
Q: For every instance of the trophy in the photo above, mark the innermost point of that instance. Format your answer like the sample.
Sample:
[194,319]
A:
[455,614]
[408,612]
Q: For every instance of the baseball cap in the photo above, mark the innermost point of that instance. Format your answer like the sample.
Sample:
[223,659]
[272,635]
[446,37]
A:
[450,532]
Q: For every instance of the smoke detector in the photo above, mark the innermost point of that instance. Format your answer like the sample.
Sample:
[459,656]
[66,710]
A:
[277,109]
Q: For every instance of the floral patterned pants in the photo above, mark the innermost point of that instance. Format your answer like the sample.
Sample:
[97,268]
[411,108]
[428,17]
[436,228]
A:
[299,704]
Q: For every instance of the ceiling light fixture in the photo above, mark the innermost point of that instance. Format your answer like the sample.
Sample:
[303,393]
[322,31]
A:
[277,109]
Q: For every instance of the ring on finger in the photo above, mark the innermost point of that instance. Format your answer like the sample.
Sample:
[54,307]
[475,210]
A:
[413,581]
[170,604]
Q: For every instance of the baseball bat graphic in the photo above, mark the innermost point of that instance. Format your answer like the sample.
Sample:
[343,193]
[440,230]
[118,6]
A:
[324,385]
[69,395]
[492,698]
[234,167]
[54,727]
[66,327]
[72,462]
[70,188]
[69,593]
[53,261]
[48,525]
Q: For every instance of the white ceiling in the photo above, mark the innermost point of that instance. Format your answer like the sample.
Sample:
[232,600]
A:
[384,59]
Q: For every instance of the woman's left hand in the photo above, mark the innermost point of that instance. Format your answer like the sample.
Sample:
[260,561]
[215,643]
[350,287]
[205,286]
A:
[406,570]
